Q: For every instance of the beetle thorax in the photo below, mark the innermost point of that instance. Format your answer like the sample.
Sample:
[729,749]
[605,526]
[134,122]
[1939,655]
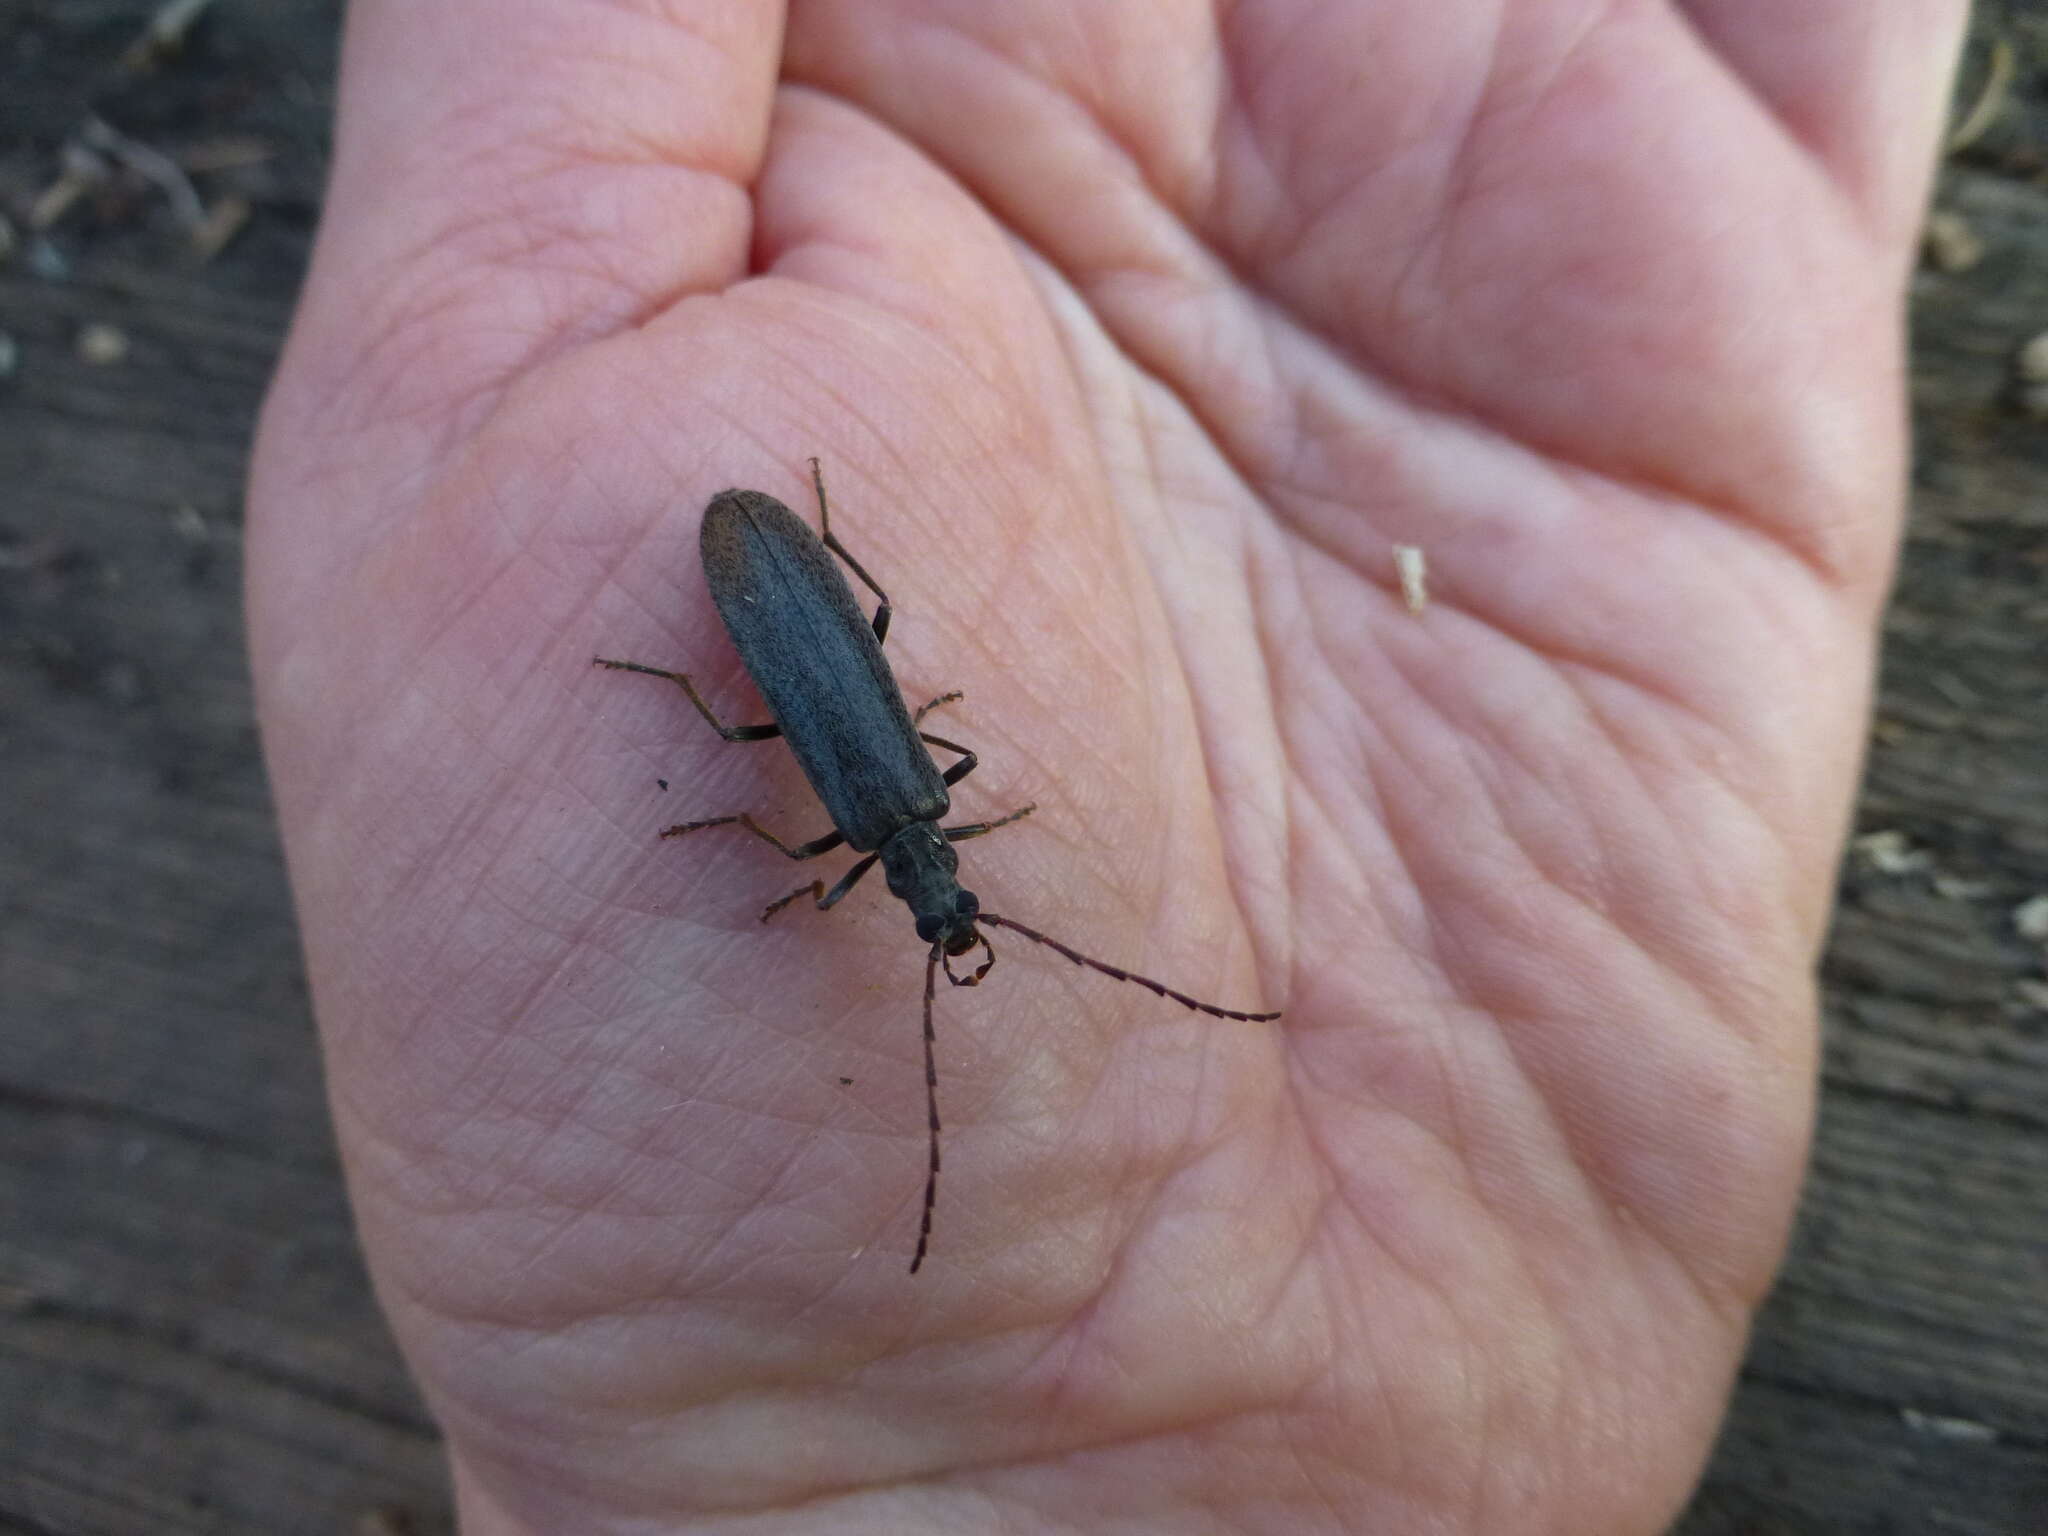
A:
[921,867]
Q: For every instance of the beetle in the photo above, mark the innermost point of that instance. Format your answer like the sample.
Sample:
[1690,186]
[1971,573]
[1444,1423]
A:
[818,663]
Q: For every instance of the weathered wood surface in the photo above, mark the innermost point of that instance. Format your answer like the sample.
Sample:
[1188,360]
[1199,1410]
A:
[187,1342]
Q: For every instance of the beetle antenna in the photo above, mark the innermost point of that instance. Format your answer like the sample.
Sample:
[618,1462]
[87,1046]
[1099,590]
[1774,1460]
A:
[1123,975]
[931,1104]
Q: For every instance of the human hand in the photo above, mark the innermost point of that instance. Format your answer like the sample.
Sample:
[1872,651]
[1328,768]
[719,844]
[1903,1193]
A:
[1131,339]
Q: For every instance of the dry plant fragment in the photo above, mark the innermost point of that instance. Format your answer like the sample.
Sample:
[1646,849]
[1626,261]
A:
[166,30]
[101,344]
[2030,373]
[2031,361]
[83,170]
[1889,853]
[1948,244]
[233,153]
[1990,101]
[1414,573]
[223,221]
[152,165]
[2030,918]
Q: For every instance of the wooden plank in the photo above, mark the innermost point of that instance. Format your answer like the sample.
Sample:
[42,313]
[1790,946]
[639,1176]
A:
[1898,1379]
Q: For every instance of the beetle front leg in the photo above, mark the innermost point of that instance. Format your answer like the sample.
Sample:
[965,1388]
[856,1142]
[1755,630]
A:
[826,900]
[960,834]
[831,542]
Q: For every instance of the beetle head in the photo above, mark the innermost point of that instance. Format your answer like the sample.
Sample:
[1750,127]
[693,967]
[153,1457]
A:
[921,868]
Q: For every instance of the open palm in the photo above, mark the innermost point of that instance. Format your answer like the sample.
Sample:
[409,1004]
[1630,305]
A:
[1132,339]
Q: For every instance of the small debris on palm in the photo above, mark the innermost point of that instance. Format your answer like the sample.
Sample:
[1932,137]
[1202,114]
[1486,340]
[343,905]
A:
[1414,573]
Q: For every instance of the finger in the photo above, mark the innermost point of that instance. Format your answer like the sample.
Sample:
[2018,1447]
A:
[1555,223]
[508,176]
[918,329]
[1864,86]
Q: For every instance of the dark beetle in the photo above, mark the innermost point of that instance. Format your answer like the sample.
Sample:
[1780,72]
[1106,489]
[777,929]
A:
[819,665]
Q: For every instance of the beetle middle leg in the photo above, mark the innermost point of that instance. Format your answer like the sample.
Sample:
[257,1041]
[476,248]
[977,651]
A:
[681,680]
[968,761]
[810,850]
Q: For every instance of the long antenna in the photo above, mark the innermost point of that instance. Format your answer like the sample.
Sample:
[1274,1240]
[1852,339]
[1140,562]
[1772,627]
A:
[931,1102]
[931,1068]
[1108,970]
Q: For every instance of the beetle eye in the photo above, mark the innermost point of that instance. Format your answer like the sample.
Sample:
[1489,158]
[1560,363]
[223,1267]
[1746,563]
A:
[928,927]
[966,904]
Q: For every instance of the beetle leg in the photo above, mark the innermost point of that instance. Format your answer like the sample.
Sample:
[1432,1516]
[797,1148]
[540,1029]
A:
[729,732]
[959,770]
[816,889]
[945,698]
[832,543]
[810,850]
[983,828]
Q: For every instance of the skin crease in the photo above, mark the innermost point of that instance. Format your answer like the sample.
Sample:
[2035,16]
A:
[1131,339]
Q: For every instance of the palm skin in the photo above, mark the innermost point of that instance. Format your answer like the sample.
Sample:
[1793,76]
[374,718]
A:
[1131,339]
